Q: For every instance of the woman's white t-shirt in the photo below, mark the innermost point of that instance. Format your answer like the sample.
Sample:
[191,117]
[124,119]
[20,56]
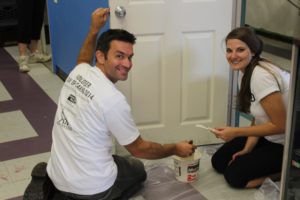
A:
[262,84]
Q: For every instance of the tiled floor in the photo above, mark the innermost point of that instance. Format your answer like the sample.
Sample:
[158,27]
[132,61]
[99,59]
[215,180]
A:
[26,110]
[27,106]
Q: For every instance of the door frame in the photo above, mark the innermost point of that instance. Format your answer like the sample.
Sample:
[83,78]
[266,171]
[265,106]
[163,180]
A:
[238,17]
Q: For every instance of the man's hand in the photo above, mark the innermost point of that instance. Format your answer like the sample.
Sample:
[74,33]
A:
[185,148]
[99,18]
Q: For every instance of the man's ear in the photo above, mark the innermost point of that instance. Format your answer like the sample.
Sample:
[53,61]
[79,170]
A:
[100,58]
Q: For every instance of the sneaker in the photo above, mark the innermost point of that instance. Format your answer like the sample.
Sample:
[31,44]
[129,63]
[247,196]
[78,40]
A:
[38,57]
[40,186]
[23,64]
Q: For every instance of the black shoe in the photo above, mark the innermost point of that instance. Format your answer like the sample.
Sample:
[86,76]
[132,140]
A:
[40,186]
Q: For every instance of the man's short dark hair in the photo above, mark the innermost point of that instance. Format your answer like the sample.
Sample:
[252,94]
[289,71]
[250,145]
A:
[103,43]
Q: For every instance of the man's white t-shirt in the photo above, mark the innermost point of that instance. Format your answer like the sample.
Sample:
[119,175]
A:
[262,84]
[90,111]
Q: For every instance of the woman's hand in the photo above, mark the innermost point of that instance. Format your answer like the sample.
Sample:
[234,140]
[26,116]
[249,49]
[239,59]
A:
[249,146]
[239,153]
[225,133]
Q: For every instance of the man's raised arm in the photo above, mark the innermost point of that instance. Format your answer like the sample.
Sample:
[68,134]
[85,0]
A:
[98,19]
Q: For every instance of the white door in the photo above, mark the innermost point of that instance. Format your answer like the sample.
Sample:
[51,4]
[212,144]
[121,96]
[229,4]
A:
[180,76]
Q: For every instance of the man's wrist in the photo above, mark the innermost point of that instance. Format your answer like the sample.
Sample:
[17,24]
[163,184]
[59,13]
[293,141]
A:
[169,149]
[94,31]
[174,149]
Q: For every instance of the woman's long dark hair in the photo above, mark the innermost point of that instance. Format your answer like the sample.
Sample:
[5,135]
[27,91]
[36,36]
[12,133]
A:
[248,36]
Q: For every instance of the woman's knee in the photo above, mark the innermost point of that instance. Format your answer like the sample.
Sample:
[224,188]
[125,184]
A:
[218,163]
[235,179]
[215,163]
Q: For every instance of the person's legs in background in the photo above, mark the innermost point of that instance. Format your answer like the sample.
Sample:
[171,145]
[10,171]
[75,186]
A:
[25,9]
[37,22]
[30,21]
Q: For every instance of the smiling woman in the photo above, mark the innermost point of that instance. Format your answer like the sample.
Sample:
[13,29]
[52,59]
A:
[238,54]
[263,94]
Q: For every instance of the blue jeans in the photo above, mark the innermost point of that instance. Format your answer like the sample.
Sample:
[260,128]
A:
[131,175]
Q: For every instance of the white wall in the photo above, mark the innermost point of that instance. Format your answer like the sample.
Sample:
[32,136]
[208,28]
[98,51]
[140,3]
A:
[277,16]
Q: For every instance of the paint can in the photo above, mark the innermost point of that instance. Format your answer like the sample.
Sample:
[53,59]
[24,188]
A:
[187,169]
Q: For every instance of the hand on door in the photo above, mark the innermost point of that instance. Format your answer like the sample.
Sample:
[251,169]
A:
[99,18]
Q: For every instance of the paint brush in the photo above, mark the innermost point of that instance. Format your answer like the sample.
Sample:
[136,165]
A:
[204,127]
[206,145]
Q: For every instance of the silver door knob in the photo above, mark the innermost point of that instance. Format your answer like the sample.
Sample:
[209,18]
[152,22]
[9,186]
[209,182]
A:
[120,12]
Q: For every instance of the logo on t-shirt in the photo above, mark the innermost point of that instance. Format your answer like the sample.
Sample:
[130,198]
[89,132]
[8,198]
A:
[72,99]
[63,122]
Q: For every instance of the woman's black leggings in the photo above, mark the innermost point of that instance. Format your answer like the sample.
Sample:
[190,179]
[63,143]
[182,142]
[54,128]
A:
[30,19]
[264,160]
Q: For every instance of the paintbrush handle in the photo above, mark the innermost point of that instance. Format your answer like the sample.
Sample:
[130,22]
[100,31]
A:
[204,127]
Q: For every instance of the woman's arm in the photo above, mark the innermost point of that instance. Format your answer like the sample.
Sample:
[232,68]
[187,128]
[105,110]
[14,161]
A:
[249,146]
[274,107]
[251,140]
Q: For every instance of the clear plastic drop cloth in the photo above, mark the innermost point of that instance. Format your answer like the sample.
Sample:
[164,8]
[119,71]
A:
[162,184]
[269,190]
